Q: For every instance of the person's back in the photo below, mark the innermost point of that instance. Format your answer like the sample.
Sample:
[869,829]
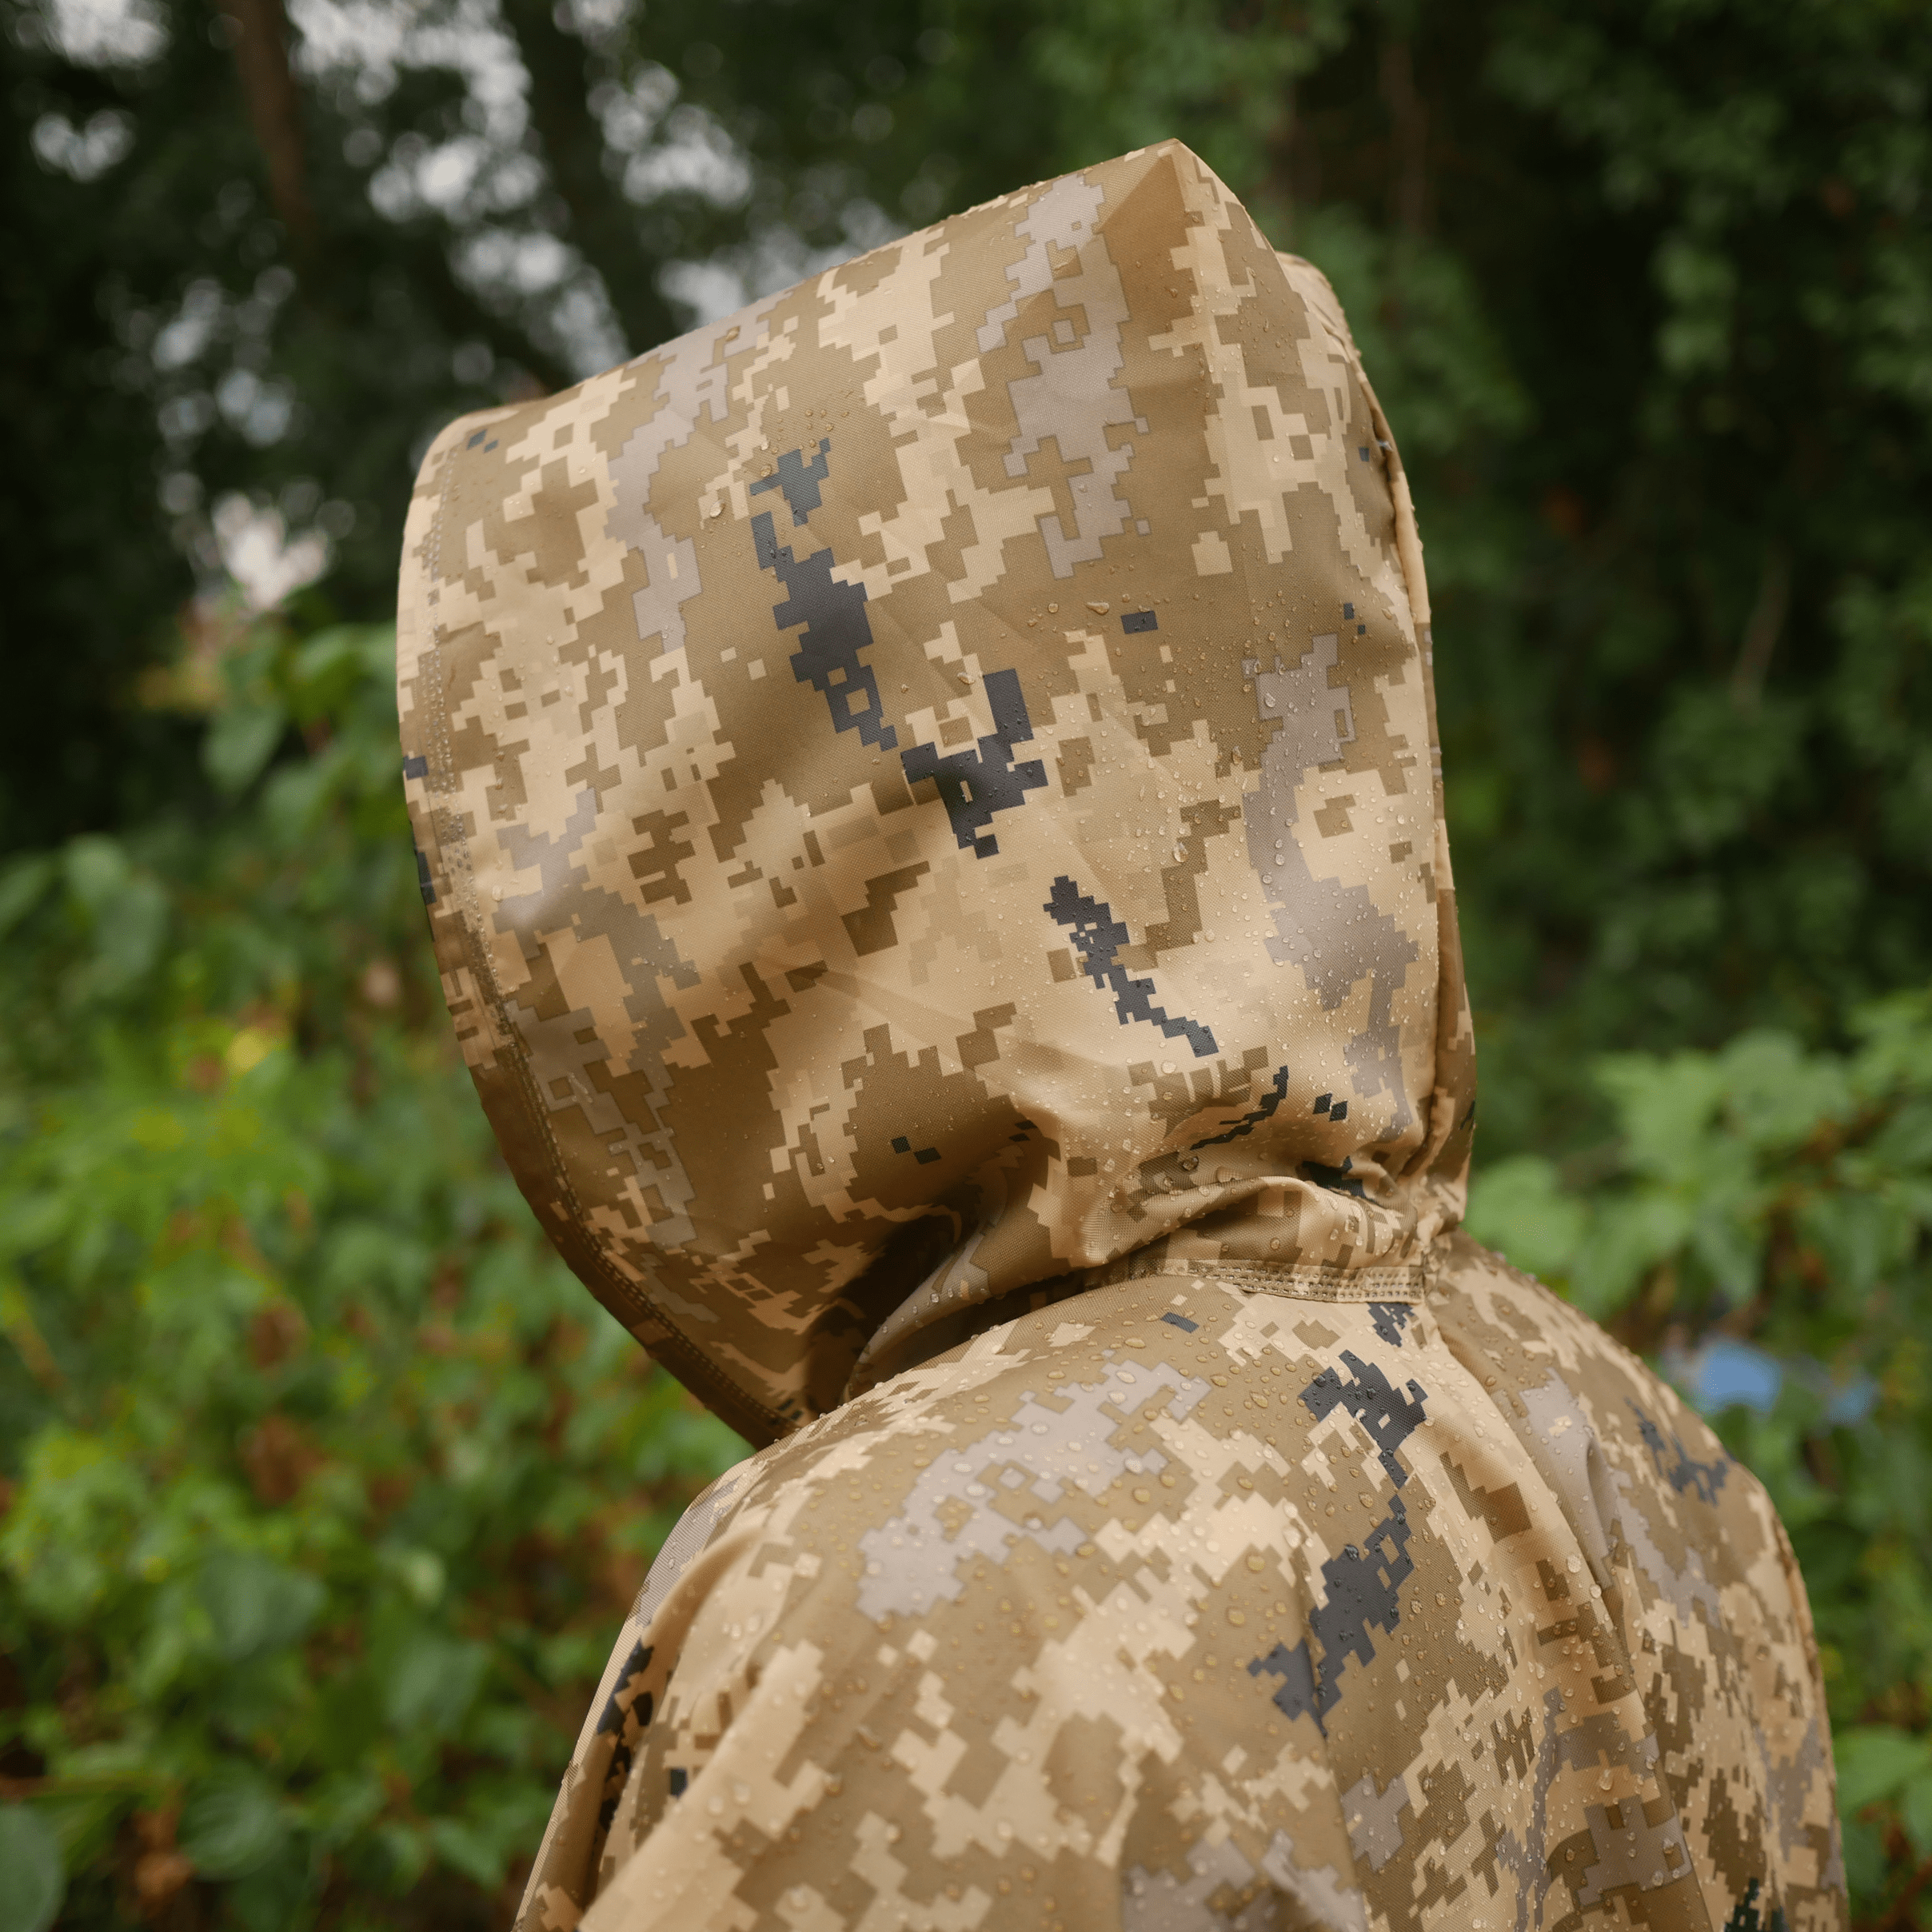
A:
[927,802]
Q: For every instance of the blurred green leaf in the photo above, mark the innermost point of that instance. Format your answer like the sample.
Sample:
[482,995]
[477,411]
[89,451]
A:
[254,1604]
[232,1823]
[98,873]
[31,1881]
[1519,1206]
[479,1856]
[432,1683]
[1915,1812]
[240,742]
[1873,1762]
[23,884]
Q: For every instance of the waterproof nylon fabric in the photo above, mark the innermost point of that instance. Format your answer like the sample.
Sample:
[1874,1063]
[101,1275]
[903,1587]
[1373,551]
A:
[927,798]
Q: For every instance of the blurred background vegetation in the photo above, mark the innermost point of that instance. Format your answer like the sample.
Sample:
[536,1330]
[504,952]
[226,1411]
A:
[322,1486]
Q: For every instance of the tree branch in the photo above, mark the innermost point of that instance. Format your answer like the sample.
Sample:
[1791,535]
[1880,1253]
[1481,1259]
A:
[603,224]
[259,31]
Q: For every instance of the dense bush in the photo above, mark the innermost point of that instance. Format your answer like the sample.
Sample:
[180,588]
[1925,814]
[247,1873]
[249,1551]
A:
[1645,285]
[320,1485]
[324,1485]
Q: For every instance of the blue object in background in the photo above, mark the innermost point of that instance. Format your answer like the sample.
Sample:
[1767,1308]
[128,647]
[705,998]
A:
[1728,1374]
[1850,1405]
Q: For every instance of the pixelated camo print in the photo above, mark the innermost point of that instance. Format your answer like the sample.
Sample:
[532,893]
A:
[925,787]
[927,801]
[1192,1604]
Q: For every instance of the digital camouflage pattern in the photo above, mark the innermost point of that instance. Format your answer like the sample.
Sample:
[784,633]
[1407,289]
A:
[925,788]
[1196,1603]
[927,803]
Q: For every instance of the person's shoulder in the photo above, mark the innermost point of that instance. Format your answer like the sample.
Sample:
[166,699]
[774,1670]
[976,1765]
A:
[1461,1271]
[1523,1323]
[1095,1340]
[1037,1432]
[1554,1370]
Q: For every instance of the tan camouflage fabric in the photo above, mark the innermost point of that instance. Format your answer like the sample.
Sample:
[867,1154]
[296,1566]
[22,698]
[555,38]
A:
[927,801]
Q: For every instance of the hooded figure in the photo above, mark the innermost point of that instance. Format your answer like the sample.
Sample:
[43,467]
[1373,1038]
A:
[928,802]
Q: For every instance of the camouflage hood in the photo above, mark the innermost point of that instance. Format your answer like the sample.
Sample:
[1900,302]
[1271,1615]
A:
[926,792]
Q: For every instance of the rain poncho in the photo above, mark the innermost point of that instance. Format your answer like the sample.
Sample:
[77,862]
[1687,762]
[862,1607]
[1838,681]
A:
[927,801]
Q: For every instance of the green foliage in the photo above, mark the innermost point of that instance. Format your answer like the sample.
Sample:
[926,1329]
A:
[29,1855]
[1770,1209]
[1688,708]
[324,1484]
[1646,288]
